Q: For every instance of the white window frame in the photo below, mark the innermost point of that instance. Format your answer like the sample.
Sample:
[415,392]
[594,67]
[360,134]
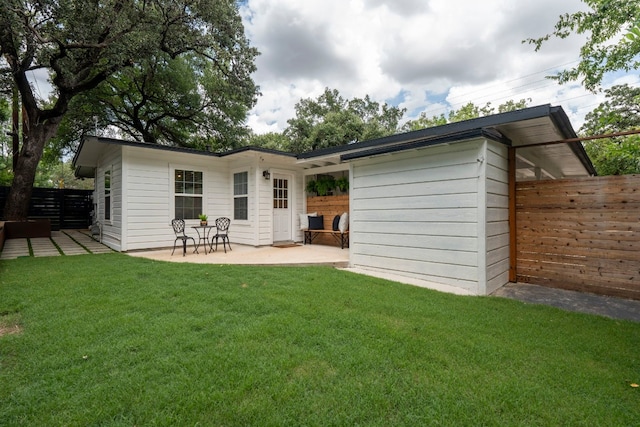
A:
[240,195]
[107,195]
[174,194]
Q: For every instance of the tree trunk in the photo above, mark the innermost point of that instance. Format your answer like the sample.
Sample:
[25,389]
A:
[36,135]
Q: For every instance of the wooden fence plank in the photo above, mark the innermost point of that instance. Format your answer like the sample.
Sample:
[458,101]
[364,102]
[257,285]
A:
[329,207]
[580,234]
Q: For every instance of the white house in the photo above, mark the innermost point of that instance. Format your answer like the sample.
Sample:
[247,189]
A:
[433,204]
[141,187]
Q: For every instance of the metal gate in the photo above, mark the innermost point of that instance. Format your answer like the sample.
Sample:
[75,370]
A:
[66,208]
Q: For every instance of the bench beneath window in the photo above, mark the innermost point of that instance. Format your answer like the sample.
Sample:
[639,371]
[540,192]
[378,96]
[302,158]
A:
[341,238]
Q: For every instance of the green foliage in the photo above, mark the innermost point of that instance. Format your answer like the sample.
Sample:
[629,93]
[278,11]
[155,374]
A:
[183,101]
[325,184]
[634,33]
[272,140]
[619,113]
[512,105]
[312,186]
[6,161]
[342,183]
[144,59]
[466,112]
[615,157]
[613,40]
[6,171]
[5,111]
[54,174]
[154,343]
[50,174]
[330,121]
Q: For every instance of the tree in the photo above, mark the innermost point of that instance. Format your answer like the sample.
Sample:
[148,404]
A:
[466,112]
[613,41]
[330,121]
[183,100]
[60,175]
[6,167]
[615,157]
[619,113]
[82,44]
[272,140]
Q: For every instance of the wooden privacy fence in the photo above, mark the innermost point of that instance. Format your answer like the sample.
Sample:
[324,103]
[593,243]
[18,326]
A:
[65,208]
[329,207]
[581,234]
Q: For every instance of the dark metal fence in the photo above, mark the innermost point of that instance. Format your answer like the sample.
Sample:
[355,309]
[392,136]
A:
[66,208]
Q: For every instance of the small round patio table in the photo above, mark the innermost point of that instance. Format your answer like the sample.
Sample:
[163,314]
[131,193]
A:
[203,235]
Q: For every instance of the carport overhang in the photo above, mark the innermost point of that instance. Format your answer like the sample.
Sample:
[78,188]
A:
[540,152]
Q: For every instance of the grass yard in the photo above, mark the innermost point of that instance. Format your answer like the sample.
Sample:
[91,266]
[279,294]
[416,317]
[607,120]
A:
[112,340]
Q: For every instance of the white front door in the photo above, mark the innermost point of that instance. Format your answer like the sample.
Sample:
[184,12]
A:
[281,209]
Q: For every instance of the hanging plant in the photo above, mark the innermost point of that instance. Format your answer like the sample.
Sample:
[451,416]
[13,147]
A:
[325,184]
[343,184]
[312,186]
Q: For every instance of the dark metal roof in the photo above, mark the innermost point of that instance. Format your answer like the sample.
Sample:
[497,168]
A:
[426,142]
[257,150]
[139,144]
[438,131]
[84,160]
[520,128]
[114,141]
[534,125]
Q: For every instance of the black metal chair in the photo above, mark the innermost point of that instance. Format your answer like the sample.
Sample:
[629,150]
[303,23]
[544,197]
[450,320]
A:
[222,232]
[178,229]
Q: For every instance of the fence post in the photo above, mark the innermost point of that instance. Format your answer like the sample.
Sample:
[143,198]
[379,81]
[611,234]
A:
[513,254]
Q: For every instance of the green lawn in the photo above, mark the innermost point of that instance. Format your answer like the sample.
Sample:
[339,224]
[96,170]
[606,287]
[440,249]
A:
[112,340]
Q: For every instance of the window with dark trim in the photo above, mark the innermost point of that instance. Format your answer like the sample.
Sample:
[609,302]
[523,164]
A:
[188,192]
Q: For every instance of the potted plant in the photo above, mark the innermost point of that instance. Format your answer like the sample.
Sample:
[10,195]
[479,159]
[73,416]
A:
[203,219]
[343,184]
[312,186]
[325,184]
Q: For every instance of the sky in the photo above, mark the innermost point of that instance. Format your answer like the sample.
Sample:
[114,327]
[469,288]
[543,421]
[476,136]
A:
[428,56]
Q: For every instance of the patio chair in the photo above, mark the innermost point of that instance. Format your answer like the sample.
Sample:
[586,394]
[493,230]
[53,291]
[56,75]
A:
[178,229]
[222,232]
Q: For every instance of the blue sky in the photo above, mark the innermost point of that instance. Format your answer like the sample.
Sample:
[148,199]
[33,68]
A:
[423,55]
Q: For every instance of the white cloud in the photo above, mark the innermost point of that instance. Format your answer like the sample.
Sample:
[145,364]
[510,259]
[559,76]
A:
[424,55]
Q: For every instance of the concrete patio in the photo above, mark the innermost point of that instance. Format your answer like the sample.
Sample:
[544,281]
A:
[76,242]
[298,255]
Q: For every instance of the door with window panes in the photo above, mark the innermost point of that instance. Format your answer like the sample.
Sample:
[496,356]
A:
[281,208]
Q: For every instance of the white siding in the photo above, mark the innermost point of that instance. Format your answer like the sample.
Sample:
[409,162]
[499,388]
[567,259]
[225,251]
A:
[241,231]
[416,214]
[149,197]
[265,210]
[497,231]
[265,224]
[258,229]
[111,230]
[438,214]
[142,194]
